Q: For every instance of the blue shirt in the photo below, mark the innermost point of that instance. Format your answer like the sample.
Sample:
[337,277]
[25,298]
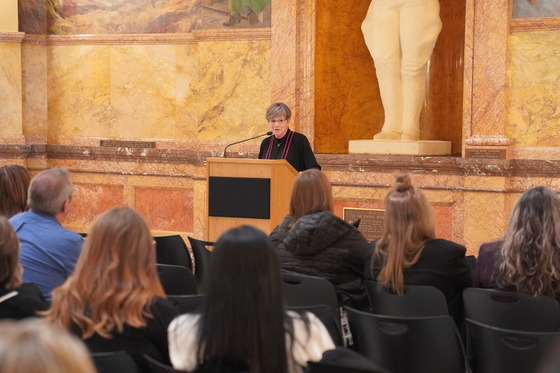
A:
[48,251]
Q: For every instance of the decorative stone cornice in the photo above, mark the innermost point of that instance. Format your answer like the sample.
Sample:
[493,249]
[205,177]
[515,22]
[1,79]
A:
[149,39]
[11,37]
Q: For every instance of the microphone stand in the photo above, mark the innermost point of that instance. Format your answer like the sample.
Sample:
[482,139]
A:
[239,142]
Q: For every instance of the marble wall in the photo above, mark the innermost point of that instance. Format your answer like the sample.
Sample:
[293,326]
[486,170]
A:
[180,98]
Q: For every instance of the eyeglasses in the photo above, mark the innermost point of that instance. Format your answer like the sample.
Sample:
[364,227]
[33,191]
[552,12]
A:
[277,121]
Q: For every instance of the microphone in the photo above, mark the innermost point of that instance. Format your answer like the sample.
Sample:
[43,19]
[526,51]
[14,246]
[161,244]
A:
[239,142]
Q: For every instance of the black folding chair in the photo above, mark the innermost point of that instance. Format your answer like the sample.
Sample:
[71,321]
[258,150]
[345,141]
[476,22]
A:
[158,367]
[202,258]
[408,344]
[327,317]
[417,300]
[511,310]
[176,280]
[499,350]
[172,250]
[303,290]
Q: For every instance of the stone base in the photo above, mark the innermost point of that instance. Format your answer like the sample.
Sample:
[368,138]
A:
[424,147]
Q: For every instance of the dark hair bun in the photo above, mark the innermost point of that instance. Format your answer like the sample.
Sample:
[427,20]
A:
[403,182]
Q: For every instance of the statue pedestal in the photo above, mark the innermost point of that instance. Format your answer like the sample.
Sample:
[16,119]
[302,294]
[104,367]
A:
[423,147]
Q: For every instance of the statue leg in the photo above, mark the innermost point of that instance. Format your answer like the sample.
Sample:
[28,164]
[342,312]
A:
[381,33]
[420,27]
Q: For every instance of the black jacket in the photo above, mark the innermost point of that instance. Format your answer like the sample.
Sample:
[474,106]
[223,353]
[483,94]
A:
[323,245]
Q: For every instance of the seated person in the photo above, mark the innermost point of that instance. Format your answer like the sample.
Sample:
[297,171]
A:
[527,260]
[14,183]
[14,304]
[311,240]
[48,250]
[114,300]
[285,143]
[243,326]
[37,346]
[409,253]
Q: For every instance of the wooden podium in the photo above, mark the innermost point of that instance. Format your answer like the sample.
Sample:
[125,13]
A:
[247,191]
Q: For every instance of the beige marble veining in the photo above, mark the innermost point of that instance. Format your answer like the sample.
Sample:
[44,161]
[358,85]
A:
[10,89]
[34,85]
[234,89]
[533,118]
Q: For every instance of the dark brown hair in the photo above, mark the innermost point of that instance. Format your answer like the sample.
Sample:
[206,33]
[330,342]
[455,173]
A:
[311,193]
[14,184]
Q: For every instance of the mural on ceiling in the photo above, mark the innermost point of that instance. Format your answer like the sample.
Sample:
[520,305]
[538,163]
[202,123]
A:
[535,8]
[67,17]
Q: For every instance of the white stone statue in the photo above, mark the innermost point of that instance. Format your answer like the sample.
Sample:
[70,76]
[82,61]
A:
[400,36]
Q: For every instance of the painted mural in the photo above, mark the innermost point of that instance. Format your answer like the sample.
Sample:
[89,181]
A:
[535,8]
[68,17]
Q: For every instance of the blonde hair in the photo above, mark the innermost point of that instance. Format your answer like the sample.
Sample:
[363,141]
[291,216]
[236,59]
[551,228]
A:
[37,346]
[409,224]
[531,250]
[10,269]
[311,193]
[115,279]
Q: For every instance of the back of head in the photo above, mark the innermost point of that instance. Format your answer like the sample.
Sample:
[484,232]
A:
[278,109]
[14,183]
[49,190]
[115,277]
[531,249]
[311,193]
[243,315]
[36,346]
[10,270]
[409,223]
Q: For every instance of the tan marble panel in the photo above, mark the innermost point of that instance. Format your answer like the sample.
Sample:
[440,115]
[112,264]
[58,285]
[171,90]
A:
[89,202]
[533,118]
[186,96]
[166,209]
[79,91]
[34,80]
[234,89]
[489,67]
[10,89]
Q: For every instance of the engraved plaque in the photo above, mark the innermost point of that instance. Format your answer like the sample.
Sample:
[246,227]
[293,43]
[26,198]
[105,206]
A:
[372,221]
[486,153]
[128,144]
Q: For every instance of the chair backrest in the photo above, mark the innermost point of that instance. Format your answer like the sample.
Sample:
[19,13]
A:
[343,360]
[499,350]
[327,317]
[114,362]
[173,250]
[186,303]
[303,290]
[176,280]
[512,310]
[417,300]
[408,344]
[158,367]
[202,258]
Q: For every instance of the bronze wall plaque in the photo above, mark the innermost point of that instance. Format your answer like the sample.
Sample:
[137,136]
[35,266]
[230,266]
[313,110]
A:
[486,153]
[372,221]
[128,144]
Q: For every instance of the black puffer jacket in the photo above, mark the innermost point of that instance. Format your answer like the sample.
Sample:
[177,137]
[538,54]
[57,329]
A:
[322,244]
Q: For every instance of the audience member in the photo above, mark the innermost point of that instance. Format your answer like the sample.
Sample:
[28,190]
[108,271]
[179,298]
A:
[14,183]
[311,240]
[48,250]
[13,304]
[114,300]
[528,258]
[243,326]
[36,346]
[409,253]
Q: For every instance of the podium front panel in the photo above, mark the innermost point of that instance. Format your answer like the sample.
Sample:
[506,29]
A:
[239,197]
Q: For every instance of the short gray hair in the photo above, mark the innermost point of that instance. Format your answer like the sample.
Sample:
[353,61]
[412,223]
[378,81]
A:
[49,190]
[278,108]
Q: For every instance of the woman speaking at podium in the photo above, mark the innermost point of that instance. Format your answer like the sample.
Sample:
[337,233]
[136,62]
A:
[285,143]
